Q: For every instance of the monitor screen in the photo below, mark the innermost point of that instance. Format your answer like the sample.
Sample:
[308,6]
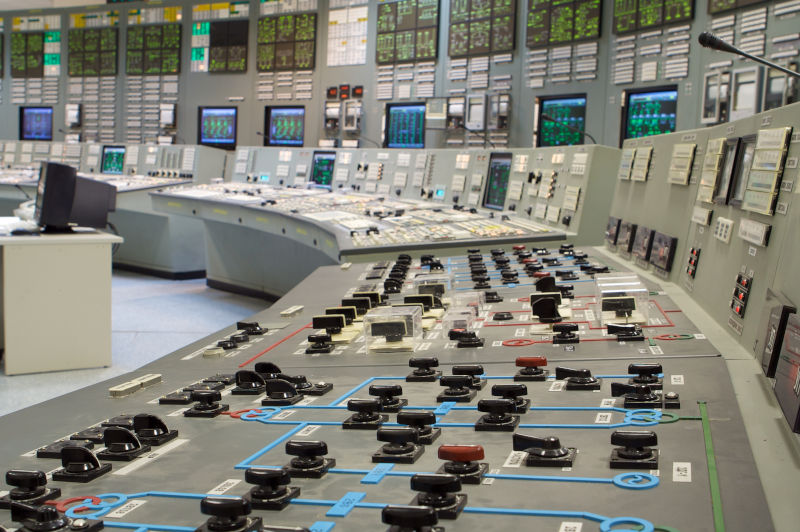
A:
[217,127]
[612,229]
[285,126]
[625,236]
[113,160]
[497,182]
[36,123]
[650,112]
[663,251]
[642,243]
[405,126]
[322,172]
[742,166]
[559,118]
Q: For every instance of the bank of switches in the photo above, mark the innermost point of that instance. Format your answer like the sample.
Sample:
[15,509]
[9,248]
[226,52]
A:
[402,440]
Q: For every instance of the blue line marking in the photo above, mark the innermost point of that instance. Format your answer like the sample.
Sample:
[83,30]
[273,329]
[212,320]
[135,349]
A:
[138,526]
[377,474]
[346,504]
[244,464]
[322,526]
[444,408]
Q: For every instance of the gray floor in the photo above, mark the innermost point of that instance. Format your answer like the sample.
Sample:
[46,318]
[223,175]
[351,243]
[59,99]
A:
[151,317]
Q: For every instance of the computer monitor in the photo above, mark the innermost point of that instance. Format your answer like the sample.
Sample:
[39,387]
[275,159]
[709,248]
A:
[285,126]
[497,181]
[612,230]
[405,126]
[557,119]
[649,112]
[64,200]
[322,171]
[36,123]
[113,161]
[216,127]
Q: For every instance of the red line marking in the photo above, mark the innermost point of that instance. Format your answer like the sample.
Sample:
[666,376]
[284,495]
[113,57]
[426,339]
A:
[62,506]
[273,346]
[518,342]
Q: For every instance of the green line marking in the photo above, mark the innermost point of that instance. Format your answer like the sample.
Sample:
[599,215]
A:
[713,479]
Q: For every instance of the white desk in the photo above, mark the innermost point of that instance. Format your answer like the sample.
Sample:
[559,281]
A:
[56,301]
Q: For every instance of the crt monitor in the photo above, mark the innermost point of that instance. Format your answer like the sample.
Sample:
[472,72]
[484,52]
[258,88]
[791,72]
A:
[497,182]
[560,120]
[216,127]
[405,126]
[322,170]
[285,126]
[113,160]
[64,200]
[649,112]
[36,123]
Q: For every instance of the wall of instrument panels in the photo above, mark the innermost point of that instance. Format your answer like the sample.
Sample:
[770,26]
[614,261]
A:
[712,210]
[476,63]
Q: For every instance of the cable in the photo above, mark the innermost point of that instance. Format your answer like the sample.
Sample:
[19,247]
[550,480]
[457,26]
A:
[23,191]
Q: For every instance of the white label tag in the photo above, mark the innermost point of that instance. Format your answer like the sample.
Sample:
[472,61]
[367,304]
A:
[557,386]
[699,336]
[283,414]
[681,471]
[603,417]
[308,431]
[515,459]
[676,380]
[656,350]
[126,508]
[608,402]
[178,412]
[519,333]
[307,401]
[570,527]
[225,486]
[146,459]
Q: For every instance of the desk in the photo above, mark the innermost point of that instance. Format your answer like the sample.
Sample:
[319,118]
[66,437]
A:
[56,301]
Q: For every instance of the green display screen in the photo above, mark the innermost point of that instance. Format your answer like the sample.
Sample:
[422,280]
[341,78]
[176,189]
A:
[27,54]
[113,161]
[228,46]
[322,172]
[287,42]
[92,52]
[480,27]
[718,6]
[561,21]
[557,113]
[407,31]
[153,49]
[633,15]
[497,181]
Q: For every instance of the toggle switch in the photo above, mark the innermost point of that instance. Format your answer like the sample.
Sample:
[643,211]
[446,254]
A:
[532,369]
[400,446]
[309,461]
[544,452]
[423,369]
[271,489]
[463,461]
[366,415]
[422,421]
[439,492]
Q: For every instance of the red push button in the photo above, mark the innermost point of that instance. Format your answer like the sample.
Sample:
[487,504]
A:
[531,362]
[539,275]
[518,247]
[530,260]
[461,453]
